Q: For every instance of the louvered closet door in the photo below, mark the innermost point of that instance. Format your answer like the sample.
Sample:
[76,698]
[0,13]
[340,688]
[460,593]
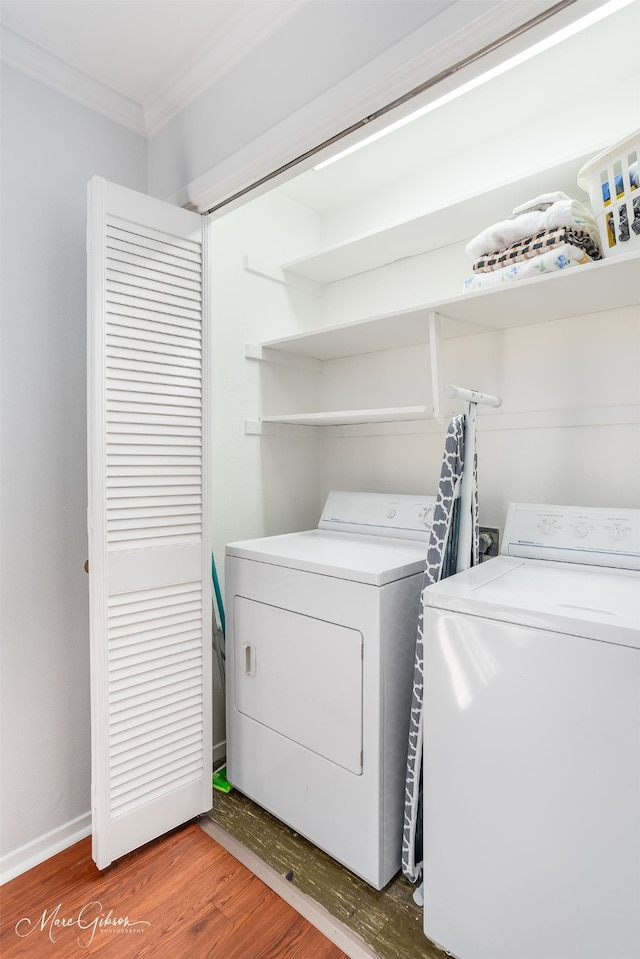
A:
[150,603]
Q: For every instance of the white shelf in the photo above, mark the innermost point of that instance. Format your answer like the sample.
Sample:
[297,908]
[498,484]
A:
[394,414]
[489,421]
[592,288]
[432,229]
[606,285]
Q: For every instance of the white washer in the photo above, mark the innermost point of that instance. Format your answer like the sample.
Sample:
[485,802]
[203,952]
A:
[532,743]
[321,631]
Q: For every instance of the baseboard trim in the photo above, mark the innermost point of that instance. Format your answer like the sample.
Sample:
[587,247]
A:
[37,851]
[351,944]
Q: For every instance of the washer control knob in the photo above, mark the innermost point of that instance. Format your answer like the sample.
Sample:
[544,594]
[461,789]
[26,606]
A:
[581,530]
[548,525]
[427,516]
[391,512]
[616,532]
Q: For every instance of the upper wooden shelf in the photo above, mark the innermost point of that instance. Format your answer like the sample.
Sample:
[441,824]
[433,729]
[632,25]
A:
[605,285]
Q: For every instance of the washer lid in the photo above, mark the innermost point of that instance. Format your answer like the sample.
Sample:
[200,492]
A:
[356,557]
[593,602]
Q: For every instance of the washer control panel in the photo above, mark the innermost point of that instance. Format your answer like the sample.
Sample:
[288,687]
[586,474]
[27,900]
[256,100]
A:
[402,515]
[573,534]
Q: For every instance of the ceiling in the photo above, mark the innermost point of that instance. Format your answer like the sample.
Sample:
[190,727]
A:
[145,52]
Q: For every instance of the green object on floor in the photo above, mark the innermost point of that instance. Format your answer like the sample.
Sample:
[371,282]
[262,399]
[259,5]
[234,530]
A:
[220,780]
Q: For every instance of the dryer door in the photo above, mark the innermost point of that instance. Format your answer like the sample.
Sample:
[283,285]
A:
[301,677]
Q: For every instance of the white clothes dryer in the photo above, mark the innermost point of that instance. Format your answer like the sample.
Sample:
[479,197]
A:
[532,743]
[321,632]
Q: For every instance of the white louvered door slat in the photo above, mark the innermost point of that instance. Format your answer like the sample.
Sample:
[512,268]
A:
[150,597]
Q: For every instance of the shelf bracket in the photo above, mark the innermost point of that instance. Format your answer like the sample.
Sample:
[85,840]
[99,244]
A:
[265,354]
[434,354]
[277,273]
[262,428]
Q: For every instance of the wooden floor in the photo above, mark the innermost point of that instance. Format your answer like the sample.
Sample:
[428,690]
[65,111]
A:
[388,921]
[181,897]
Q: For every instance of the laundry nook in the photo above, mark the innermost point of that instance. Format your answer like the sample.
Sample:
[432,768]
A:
[321,445]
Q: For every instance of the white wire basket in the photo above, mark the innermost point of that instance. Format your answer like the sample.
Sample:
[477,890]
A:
[612,181]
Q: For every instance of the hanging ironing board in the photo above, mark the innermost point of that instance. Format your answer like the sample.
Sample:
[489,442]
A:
[453,546]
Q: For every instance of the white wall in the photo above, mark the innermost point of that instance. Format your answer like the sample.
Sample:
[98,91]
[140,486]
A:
[259,488]
[50,149]
[562,434]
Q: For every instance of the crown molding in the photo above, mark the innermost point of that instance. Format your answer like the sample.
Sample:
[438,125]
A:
[43,66]
[242,34]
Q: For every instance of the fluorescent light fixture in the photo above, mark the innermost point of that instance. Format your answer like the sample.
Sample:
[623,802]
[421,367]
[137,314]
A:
[573,28]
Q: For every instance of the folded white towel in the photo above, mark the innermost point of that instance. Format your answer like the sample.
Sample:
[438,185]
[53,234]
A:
[562,212]
[542,202]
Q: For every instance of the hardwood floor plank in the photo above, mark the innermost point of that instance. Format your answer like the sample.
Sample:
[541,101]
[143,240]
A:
[302,945]
[187,931]
[231,896]
[183,897]
[275,931]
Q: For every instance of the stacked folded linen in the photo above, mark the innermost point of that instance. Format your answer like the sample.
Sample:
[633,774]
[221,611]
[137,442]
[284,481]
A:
[549,232]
